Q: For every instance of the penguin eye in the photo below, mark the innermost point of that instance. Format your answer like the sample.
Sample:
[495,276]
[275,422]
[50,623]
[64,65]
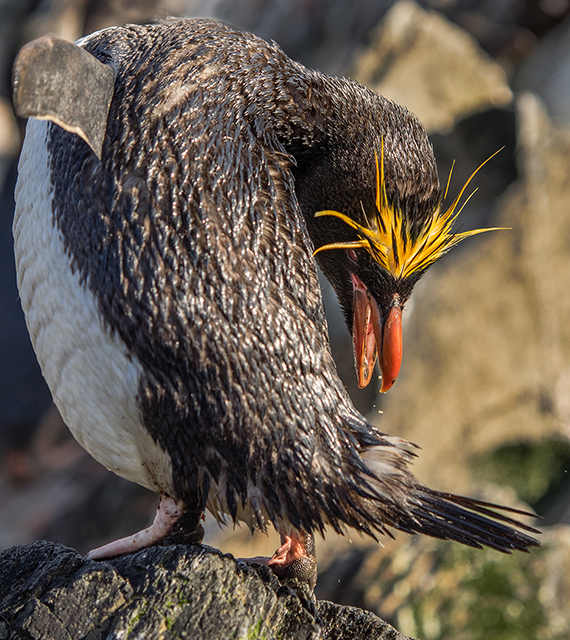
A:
[352,257]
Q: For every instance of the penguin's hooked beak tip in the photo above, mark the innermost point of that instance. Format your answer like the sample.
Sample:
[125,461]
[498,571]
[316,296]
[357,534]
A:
[391,353]
[373,335]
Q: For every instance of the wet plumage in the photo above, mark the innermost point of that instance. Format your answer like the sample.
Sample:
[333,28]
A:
[187,256]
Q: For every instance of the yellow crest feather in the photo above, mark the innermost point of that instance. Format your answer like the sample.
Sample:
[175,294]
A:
[388,236]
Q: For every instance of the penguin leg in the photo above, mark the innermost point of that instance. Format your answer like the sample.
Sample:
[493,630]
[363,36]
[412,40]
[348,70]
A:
[172,524]
[295,558]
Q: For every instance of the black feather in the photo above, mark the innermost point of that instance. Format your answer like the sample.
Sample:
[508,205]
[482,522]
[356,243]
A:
[195,233]
[467,520]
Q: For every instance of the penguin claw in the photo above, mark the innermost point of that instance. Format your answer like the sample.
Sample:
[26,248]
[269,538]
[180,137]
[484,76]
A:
[295,558]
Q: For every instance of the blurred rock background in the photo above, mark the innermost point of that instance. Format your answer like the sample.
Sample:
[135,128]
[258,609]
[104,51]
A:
[485,384]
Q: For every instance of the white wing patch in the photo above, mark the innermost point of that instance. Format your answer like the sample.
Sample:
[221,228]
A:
[92,378]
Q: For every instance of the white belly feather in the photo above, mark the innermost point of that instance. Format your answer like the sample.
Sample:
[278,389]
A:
[92,378]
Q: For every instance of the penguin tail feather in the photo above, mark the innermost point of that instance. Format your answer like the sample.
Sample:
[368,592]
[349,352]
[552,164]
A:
[472,522]
[405,504]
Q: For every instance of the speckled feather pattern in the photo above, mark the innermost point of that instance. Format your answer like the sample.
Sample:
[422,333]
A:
[198,254]
[195,234]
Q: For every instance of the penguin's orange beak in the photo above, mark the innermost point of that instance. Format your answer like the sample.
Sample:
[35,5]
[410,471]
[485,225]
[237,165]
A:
[373,335]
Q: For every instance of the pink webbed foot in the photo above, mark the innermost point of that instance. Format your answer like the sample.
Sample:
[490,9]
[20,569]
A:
[172,524]
[295,558]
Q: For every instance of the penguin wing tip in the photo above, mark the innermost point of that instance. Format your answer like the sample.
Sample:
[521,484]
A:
[57,80]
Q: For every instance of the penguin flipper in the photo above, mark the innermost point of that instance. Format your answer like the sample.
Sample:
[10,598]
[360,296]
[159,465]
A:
[54,79]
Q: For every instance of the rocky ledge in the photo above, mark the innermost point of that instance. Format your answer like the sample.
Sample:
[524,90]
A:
[50,591]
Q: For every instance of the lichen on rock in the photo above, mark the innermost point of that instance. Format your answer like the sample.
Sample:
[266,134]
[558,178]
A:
[50,591]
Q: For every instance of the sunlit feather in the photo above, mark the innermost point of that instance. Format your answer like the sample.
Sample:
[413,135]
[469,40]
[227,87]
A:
[389,238]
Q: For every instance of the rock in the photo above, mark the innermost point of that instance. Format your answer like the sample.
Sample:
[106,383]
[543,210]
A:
[324,35]
[488,342]
[537,470]
[24,395]
[420,59]
[472,140]
[432,589]
[546,71]
[50,591]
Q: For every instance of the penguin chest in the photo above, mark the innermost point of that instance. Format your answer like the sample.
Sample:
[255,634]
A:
[93,379]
